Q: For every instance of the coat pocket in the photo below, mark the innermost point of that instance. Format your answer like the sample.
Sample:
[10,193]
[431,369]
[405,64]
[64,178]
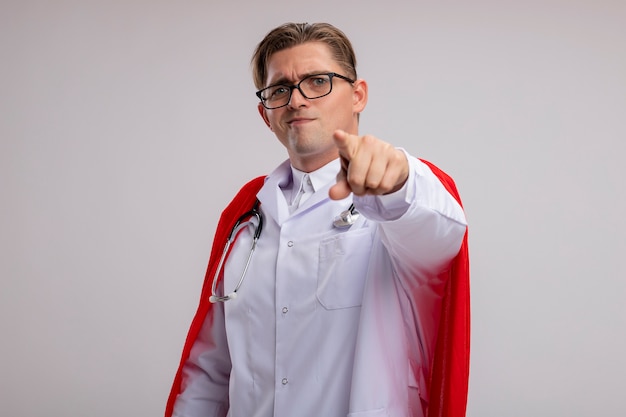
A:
[343,265]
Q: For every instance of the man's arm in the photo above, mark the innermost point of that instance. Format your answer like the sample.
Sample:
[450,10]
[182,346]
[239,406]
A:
[423,225]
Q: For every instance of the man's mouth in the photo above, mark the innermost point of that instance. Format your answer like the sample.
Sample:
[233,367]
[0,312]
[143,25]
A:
[297,121]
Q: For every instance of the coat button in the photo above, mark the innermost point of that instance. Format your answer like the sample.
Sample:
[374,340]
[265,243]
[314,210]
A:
[285,310]
[285,381]
[290,243]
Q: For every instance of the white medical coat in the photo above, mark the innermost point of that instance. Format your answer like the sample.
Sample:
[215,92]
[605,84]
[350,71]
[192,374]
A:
[323,323]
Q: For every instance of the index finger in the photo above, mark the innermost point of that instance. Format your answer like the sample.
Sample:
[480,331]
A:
[346,143]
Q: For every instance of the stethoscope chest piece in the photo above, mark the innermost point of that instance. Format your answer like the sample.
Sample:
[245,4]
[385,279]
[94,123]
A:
[346,218]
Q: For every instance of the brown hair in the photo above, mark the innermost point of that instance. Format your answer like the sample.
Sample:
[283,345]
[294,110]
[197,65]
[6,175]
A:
[293,34]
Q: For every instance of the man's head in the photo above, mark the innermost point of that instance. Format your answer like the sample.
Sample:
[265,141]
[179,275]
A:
[292,34]
[319,60]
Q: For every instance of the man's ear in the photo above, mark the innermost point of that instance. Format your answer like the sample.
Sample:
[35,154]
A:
[359,95]
[263,113]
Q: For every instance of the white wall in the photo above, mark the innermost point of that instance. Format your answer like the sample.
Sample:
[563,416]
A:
[126,126]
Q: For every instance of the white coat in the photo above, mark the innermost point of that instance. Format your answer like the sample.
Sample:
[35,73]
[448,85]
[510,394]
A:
[322,323]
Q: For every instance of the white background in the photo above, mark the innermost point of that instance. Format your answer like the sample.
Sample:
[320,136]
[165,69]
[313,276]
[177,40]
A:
[126,126]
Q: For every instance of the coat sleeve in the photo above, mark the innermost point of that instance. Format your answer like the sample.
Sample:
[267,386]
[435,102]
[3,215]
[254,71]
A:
[422,225]
[425,232]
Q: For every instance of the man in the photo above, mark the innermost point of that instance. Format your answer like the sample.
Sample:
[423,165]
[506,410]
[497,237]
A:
[336,309]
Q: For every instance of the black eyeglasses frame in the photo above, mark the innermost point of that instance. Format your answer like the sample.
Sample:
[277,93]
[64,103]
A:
[331,75]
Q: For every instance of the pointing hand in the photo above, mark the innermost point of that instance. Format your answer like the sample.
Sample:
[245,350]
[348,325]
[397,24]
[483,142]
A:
[368,166]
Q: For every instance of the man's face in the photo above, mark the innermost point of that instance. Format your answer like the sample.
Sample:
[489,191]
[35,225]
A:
[305,127]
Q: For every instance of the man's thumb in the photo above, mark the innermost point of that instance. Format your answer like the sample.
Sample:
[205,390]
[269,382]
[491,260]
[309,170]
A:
[341,189]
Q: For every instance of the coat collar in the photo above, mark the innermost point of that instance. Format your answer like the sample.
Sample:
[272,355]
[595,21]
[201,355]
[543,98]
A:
[276,192]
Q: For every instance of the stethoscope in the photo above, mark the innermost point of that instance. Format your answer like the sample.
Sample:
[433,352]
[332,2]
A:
[345,219]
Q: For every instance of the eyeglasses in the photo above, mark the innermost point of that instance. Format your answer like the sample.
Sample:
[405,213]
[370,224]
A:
[311,87]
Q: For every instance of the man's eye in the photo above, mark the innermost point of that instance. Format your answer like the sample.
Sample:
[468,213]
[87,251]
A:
[278,91]
[316,84]
[318,81]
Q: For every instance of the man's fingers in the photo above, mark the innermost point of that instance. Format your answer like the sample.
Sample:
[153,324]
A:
[355,163]
[368,166]
[346,143]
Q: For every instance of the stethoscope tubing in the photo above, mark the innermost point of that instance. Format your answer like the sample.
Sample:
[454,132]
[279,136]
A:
[239,224]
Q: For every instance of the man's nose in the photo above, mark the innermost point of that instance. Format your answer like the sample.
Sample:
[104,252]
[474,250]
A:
[297,99]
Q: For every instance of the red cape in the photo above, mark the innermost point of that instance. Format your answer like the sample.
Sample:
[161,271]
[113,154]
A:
[450,371]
